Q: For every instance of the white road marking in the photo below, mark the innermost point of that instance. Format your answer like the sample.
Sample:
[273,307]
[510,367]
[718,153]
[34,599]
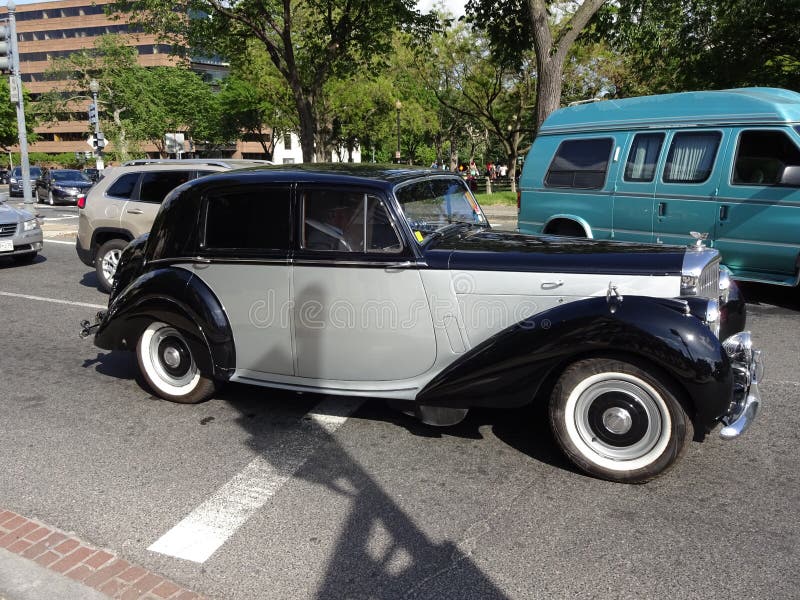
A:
[52,300]
[210,525]
[59,242]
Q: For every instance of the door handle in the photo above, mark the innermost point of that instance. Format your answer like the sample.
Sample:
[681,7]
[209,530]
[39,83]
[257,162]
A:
[397,267]
[135,211]
[551,285]
[723,212]
[662,209]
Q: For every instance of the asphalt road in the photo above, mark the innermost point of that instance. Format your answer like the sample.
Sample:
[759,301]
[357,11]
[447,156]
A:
[380,507]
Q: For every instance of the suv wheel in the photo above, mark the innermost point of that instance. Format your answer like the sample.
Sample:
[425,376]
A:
[106,262]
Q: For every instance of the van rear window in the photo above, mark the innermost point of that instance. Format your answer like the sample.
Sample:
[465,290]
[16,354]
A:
[580,164]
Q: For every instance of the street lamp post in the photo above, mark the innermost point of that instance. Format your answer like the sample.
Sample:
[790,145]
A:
[398,105]
[99,141]
[15,85]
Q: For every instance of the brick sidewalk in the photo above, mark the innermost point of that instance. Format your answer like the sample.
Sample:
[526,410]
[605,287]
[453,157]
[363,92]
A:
[99,569]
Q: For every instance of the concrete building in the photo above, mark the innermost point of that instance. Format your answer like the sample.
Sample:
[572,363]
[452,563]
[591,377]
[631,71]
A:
[49,30]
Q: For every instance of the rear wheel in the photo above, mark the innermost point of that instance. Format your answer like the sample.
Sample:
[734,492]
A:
[106,262]
[619,421]
[168,365]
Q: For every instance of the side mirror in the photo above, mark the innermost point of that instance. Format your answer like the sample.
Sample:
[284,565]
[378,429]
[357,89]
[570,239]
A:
[791,176]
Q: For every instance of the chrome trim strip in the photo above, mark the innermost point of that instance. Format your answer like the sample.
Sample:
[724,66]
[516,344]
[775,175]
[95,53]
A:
[203,260]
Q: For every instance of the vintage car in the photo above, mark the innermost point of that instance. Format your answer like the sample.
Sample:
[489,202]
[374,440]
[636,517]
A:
[390,283]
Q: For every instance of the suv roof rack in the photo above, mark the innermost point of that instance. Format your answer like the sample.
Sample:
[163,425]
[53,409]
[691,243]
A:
[222,162]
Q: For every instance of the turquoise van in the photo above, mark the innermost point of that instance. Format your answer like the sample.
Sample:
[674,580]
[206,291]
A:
[672,168]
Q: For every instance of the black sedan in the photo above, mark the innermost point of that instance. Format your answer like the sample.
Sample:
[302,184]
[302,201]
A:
[62,186]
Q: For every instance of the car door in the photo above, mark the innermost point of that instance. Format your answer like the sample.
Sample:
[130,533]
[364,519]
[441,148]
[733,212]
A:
[141,210]
[634,191]
[360,308]
[686,193]
[245,261]
[758,218]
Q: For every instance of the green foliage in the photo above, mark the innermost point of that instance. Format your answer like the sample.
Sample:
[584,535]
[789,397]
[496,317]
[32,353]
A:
[678,45]
[9,132]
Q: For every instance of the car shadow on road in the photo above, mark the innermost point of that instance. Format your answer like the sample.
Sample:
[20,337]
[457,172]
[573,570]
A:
[90,280]
[776,295]
[6,262]
[120,365]
[379,551]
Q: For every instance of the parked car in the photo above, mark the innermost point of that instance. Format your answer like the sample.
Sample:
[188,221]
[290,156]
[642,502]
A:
[62,186]
[5,174]
[725,164]
[390,283]
[15,180]
[122,206]
[20,234]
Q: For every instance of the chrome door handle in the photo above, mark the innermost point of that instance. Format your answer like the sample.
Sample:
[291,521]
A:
[551,285]
[662,209]
[135,211]
[398,266]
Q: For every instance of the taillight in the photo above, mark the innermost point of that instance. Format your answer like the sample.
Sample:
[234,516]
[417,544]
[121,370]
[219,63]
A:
[82,201]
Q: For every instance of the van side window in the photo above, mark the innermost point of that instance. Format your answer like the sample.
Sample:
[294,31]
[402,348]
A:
[643,156]
[580,164]
[761,157]
[691,156]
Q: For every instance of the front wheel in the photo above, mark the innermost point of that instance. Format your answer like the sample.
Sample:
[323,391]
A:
[106,263]
[619,421]
[169,368]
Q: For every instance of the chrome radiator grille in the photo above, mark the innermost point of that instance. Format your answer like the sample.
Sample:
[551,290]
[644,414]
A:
[8,229]
[708,285]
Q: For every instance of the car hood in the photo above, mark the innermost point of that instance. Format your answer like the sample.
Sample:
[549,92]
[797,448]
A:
[9,214]
[73,183]
[490,249]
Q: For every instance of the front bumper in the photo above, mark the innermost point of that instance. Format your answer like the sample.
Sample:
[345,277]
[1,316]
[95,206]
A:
[25,242]
[748,370]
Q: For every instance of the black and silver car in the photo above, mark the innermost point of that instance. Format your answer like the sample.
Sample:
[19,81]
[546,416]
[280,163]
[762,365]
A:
[62,186]
[15,180]
[390,283]
[20,234]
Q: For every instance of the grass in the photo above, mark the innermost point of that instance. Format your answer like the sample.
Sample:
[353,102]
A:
[505,198]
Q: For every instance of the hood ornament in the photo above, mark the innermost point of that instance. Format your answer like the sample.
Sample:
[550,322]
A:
[700,237]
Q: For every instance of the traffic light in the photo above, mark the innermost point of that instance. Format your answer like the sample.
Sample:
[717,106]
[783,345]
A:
[99,141]
[6,48]
[92,113]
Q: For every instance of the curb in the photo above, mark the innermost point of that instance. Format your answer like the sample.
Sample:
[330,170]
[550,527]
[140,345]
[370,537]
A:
[99,569]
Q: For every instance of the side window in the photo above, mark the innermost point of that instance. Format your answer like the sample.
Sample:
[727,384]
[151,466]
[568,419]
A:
[580,164]
[691,157]
[761,157]
[255,218]
[643,156]
[342,221]
[123,187]
[157,184]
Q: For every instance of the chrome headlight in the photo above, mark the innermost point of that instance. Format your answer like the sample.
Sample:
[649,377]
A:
[13,180]
[30,225]
[739,347]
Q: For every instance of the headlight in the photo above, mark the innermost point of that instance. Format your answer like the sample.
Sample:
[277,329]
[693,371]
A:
[689,285]
[739,347]
[30,225]
[13,180]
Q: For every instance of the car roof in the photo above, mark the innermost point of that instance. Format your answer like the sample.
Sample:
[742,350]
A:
[332,172]
[756,105]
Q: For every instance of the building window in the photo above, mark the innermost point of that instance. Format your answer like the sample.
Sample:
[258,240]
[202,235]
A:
[287,141]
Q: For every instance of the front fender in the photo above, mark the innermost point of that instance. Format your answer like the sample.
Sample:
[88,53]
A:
[509,368]
[171,295]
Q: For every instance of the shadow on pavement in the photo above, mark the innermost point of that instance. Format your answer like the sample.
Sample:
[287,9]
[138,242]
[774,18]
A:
[777,295]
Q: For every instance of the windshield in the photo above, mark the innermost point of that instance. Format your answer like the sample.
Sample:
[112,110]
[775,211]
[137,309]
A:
[68,176]
[436,203]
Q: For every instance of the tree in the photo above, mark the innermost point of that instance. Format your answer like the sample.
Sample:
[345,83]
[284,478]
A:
[9,132]
[550,28]
[679,45]
[308,41]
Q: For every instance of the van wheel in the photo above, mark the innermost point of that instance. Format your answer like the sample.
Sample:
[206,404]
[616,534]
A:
[106,262]
[169,368]
[619,421]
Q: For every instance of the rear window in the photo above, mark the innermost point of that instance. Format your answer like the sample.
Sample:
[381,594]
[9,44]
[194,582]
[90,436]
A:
[580,164]
[157,184]
[123,187]
[256,218]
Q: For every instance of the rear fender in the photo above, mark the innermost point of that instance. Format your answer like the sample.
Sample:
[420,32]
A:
[174,296]
[509,368]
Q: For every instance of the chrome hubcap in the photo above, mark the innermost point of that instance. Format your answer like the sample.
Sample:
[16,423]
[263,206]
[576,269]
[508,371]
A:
[617,420]
[172,358]
[110,262]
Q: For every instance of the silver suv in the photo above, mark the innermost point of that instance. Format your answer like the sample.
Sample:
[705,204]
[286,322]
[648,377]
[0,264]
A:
[124,203]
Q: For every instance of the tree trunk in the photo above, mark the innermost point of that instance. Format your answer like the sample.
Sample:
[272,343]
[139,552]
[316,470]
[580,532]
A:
[548,90]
